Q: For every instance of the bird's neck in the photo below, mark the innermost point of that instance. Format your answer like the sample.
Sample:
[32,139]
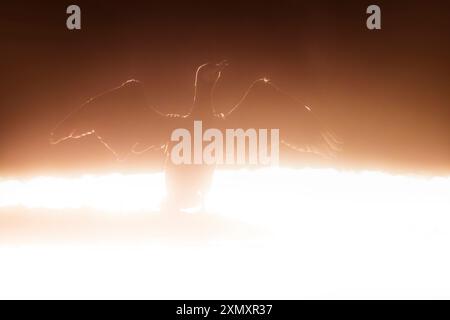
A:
[202,102]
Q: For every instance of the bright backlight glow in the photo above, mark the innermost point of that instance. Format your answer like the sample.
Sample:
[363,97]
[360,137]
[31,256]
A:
[253,195]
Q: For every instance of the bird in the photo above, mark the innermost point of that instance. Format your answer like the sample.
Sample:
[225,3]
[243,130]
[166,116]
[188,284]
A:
[126,123]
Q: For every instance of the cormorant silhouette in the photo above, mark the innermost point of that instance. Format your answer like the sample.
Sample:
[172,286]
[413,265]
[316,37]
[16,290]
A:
[263,105]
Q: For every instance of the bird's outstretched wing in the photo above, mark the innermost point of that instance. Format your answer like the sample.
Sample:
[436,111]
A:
[266,106]
[120,118]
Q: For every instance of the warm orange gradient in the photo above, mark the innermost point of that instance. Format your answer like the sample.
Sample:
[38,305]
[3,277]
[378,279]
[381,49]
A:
[385,93]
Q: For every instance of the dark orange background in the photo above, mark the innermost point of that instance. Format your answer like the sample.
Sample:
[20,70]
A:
[385,93]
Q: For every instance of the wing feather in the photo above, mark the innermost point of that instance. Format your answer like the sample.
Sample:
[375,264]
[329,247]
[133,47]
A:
[120,118]
[266,106]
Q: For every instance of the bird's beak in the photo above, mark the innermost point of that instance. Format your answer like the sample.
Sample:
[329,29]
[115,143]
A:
[222,65]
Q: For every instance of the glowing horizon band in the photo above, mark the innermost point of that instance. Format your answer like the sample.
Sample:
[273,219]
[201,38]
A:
[258,194]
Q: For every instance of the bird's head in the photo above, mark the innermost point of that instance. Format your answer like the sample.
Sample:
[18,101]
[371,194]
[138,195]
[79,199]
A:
[209,73]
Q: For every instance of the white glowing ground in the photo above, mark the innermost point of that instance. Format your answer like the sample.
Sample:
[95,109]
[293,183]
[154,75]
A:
[247,194]
[331,234]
